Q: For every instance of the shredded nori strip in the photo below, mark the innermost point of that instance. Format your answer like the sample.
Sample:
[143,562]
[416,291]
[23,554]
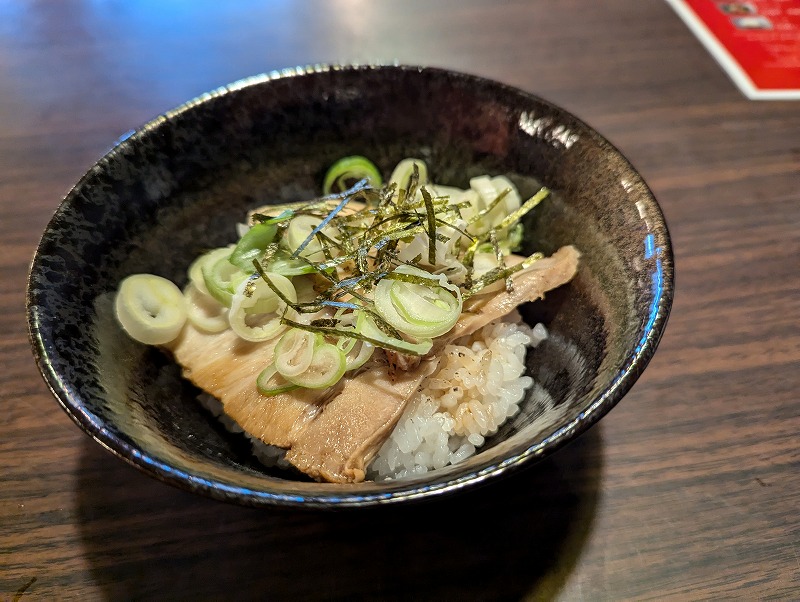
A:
[412,279]
[515,216]
[411,190]
[431,230]
[496,274]
[325,323]
[353,334]
[269,252]
[490,207]
[348,196]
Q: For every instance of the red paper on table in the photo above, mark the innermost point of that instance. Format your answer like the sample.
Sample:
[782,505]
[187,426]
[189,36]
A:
[757,42]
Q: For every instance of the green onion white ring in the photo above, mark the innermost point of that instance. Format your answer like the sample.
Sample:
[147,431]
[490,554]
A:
[204,312]
[297,232]
[221,278]
[294,352]
[366,326]
[206,260]
[355,361]
[254,301]
[151,309]
[269,382]
[418,310]
[326,368]
[405,169]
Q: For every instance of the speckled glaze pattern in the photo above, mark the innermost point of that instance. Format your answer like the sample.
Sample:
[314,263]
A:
[179,184]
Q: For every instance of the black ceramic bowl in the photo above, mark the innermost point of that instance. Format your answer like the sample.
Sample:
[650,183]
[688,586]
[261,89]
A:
[180,183]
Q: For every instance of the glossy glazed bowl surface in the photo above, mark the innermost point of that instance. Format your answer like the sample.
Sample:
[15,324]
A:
[179,185]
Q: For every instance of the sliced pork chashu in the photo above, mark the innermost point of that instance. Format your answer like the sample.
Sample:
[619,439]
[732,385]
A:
[339,443]
[227,367]
[342,439]
[333,435]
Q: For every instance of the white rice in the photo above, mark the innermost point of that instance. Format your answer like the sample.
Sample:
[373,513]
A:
[475,388]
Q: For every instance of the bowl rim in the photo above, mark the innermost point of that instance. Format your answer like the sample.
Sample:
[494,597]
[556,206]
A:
[349,495]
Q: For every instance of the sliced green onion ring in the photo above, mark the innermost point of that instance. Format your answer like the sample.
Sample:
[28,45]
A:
[347,171]
[269,382]
[370,333]
[297,239]
[294,352]
[401,175]
[206,259]
[317,231]
[419,310]
[326,368]
[346,344]
[365,351]
[221,278]
[286,266]
[204,312]
[256,309]
[366,330]
[151,309]
[346,320]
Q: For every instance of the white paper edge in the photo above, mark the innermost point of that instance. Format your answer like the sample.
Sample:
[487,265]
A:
[724,58]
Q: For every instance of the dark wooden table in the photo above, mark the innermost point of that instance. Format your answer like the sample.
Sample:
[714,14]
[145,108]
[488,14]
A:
[689,489]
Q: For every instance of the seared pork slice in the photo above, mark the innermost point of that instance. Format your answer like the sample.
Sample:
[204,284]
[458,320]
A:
[529,284]
[227,367]
[338,443]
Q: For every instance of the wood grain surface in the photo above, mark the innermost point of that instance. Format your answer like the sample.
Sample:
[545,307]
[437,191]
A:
[689,489]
